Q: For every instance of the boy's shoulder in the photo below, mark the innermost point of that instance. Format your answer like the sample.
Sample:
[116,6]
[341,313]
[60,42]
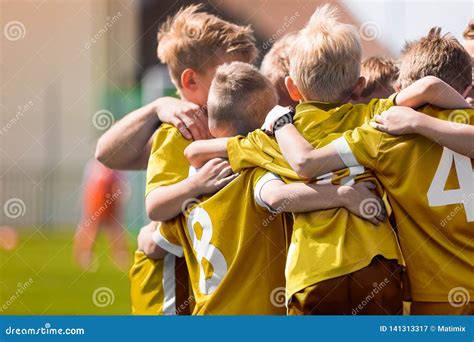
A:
[168,135]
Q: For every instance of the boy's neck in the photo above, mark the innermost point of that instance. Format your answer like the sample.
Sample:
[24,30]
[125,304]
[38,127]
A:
[324,105]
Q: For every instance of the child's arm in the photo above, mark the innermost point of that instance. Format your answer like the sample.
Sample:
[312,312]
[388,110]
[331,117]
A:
[431,90]
[404,120]
[199,152]
[301,197]
[166,202]
[307,162]
[303,157]
[147,245]
[127,144]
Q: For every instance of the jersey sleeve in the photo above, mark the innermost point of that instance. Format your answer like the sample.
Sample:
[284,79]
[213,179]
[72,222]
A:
[167,164]
[166,237]
[377,106]
[359,147]
[257,190]
[258,150]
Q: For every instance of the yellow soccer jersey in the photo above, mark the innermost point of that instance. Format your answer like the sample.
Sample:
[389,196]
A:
[235,250]
[159,287]
[327,243]
[167,164]
[431,190]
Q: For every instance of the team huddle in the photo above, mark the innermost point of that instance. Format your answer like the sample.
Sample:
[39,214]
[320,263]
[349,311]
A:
[320,184]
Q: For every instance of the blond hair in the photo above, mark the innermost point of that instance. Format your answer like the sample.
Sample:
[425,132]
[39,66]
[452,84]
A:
[325,58]
[197,40]
[378,72]
[276,64]
[468,33]
[240,97]
[436,55]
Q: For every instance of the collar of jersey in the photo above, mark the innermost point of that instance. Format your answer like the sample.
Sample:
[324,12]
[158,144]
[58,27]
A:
[323,110]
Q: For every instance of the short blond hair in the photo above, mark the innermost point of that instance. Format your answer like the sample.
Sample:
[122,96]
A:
[468,33]
[276,64]
[240,97]
[436,55]
[197,40]
[378,72]
[325,58]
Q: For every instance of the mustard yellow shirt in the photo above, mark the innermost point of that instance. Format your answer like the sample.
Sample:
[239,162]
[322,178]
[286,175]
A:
[161,287]
[327,243]
[431,190]
[235,250]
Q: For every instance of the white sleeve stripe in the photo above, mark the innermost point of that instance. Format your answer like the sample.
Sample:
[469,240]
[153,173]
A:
[258,189]
[345,152]
[162,242]
[169,285]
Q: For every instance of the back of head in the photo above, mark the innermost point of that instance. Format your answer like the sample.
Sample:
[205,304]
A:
[239,99]
[380,73]
[197,40]
[436,55]
[325,58]
[276,66]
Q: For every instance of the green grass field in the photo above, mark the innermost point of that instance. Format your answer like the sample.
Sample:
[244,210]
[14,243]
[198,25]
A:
[39,277]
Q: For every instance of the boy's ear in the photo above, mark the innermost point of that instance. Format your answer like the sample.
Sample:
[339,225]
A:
[358,89]
[293,90]
[397,87]
[467,91]
[188,79]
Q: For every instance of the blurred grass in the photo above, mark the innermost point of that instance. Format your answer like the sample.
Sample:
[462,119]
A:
[58,286]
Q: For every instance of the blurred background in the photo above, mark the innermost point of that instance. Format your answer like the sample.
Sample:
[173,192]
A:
[69,69]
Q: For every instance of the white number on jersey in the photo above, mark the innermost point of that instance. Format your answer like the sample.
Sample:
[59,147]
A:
[437,196]
[206,250]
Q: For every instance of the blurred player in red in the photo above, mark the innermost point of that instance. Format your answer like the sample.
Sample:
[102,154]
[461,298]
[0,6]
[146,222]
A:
[104,190]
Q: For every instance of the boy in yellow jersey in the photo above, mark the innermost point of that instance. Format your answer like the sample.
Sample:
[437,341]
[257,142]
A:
[356,260]
[380,75]
[234,247]
[430,187]
[192,44]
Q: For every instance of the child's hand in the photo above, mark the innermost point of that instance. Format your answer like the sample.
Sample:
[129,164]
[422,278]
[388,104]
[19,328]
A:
[362,202]
[214,175]
[397,120]
[187,117]
[146,243]
[276,117]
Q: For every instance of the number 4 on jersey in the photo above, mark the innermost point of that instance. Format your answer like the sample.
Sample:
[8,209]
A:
[437,196]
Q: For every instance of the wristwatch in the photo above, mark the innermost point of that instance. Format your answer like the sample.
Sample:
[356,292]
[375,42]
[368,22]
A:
[284,120]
